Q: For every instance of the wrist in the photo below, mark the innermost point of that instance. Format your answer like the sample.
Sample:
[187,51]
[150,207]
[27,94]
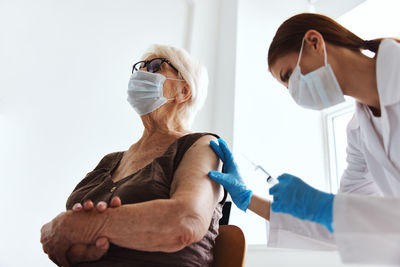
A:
[329,207]
[326,211]
[244,200]
[85,227]
[62,227]
[260,206]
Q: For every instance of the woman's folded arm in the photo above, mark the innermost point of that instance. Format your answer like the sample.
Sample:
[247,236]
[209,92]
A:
[166,225]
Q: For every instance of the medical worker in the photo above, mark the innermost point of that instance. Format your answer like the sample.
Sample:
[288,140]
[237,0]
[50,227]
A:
[319,61]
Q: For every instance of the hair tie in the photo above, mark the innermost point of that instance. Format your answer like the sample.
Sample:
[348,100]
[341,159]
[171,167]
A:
[366,44]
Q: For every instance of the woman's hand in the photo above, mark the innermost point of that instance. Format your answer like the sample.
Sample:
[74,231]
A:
[54,243]
[91,252]
[70,228]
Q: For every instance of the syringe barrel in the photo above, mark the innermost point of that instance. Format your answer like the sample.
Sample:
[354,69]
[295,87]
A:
[272,181]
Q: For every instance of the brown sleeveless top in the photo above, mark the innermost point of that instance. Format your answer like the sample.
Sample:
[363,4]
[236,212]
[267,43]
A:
[151,182]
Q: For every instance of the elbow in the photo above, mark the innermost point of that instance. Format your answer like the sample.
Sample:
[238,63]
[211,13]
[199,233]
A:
[185,226]
[188,231]
[193,232]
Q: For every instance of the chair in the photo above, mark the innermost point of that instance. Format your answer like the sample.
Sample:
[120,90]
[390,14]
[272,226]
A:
[230,247]
[226,211]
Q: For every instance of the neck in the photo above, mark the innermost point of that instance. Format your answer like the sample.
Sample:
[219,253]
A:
[160,133]
[357,77]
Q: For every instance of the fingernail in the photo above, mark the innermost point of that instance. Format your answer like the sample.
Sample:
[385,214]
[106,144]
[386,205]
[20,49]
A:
[77,206]
[101,204]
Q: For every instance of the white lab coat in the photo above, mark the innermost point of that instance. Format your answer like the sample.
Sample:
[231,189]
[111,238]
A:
[366,211]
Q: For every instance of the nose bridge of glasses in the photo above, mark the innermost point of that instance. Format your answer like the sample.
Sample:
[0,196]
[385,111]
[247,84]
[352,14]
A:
[138,65]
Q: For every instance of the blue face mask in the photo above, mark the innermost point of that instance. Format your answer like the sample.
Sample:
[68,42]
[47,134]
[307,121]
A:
[145,91]
[318,89]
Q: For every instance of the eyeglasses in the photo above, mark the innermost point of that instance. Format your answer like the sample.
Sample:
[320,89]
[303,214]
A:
[152,65]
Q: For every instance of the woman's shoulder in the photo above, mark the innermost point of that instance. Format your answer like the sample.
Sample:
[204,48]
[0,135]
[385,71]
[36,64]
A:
[108,160]
[193,137]
[185,142]
[388,68]
[182,144]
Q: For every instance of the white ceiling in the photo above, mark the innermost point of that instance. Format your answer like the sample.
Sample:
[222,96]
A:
[335,8]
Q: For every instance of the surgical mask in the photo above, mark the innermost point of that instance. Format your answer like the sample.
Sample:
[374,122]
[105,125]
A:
[145,91]
[318,89]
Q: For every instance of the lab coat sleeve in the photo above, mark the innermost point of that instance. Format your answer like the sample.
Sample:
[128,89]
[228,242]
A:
[366,225]
[367,228]
[290,232]
[286,231]
[356,178]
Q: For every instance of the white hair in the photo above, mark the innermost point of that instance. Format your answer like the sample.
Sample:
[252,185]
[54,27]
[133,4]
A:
[191,70]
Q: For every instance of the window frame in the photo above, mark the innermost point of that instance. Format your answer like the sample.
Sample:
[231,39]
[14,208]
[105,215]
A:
[328,117]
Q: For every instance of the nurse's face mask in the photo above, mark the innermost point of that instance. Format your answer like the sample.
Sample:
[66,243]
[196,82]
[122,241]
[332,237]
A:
[316,90]
[145,88]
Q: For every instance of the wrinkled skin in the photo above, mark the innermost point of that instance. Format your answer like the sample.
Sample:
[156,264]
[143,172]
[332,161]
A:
[65,247]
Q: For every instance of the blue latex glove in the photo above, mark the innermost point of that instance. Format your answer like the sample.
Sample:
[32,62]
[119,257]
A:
[230,178]
[293,196]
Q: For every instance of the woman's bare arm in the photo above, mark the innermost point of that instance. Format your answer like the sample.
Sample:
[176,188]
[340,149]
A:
[166,225]
[260,206]
[170,225]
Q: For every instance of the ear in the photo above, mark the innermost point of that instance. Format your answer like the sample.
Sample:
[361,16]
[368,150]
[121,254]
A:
[184,93]
[314,41]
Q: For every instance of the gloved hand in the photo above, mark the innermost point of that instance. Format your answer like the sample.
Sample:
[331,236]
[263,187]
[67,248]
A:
[230,178]
[293,196]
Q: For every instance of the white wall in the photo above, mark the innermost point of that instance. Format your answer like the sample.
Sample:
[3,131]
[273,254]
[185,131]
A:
[64,69]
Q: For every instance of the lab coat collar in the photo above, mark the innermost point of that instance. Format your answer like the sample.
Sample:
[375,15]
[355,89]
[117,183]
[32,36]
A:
[374,145]
[388,79]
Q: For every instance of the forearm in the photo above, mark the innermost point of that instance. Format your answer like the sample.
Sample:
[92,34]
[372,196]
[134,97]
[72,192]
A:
[159,225]
[260,206]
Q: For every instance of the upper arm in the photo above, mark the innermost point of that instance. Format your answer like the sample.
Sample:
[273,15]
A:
[192,187]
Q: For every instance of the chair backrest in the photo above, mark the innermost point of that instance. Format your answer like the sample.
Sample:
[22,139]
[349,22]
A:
[226,211]
[230,247]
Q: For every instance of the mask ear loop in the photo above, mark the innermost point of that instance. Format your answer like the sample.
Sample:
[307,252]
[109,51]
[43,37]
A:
[325,55]
[172,79]
[300,53]
[180,80]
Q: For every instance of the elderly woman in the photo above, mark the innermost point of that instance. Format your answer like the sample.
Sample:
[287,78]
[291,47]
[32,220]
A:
[170,208]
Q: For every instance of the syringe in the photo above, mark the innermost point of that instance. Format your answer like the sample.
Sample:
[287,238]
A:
[270,180]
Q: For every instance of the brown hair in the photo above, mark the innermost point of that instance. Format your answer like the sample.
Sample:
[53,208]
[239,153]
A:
[290,34]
